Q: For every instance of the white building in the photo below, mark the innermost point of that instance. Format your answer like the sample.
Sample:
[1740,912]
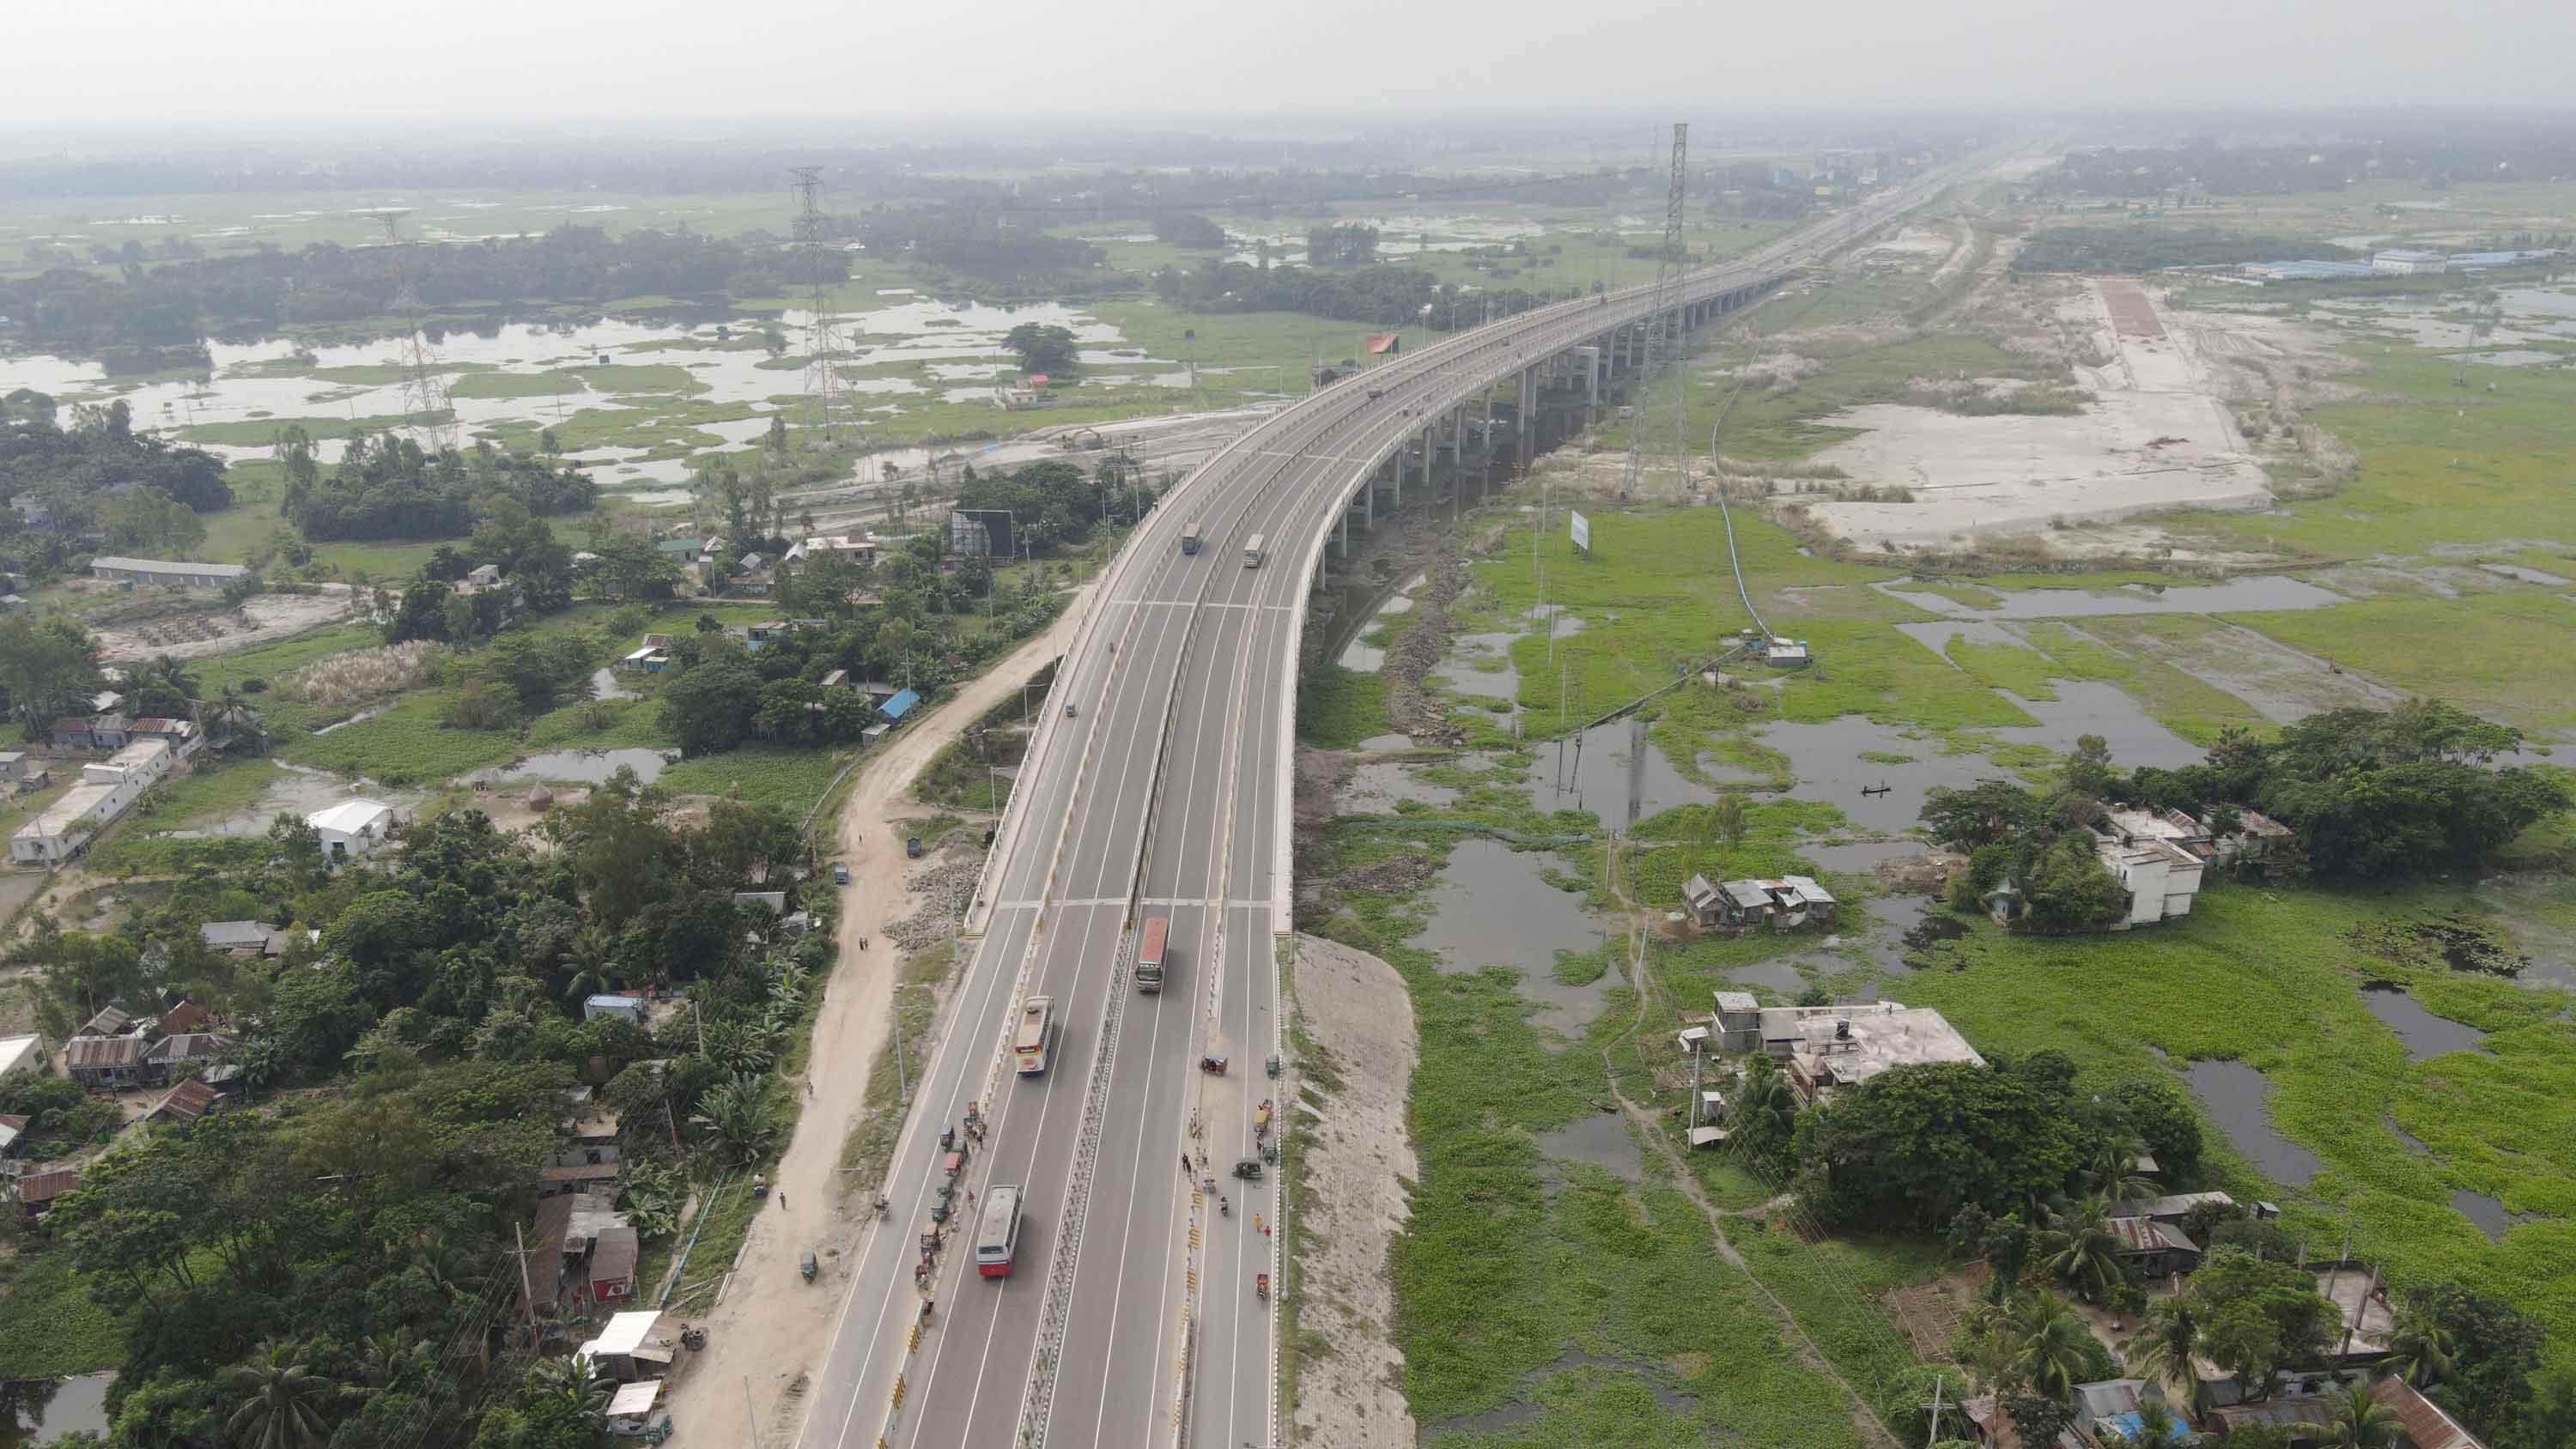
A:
[105,791]
[165,571]
[2147,850]
[351,828]
[857,550]
[2405,263]
[21,1054]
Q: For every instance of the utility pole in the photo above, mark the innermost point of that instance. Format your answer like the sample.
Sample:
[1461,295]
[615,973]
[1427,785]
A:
[1933,1435]
[749,1413]
[1662,329]
[527,1292]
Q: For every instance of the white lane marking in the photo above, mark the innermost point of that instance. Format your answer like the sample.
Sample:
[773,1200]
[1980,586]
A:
[1082,970]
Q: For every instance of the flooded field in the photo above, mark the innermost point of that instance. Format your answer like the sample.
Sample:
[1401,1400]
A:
[2238,1098]
[528,375]
[1827,759]
[2089,707]
[301,790]
[1613,771]
[1601,1139]
[1494,906]
[2258,592]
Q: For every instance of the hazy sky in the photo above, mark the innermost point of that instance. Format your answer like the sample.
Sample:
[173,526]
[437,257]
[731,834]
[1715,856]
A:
[86,62]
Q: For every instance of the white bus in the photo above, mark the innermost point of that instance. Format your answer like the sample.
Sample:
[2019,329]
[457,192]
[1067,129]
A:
[1255,551]
[1037,1022]
[997,1232]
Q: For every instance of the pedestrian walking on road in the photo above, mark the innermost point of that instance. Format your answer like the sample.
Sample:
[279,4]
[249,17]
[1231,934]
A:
[1185,1166]
[782,1202]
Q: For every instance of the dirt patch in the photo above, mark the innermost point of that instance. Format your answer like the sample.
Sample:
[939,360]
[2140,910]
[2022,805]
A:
[1355,1054]
[1419,649]
[195,633]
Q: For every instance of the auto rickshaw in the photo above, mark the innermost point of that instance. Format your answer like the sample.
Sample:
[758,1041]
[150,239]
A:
[808,1266]
[1248,1168]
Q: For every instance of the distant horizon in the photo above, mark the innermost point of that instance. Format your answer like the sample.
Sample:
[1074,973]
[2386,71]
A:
[269,62]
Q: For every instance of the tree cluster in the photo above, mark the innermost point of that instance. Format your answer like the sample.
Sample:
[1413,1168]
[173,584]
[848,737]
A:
[2371,794]
[1187,229]
[139,488]
[325,1263]
[1916,1145]
[2040,839]
[1345,244]
[1383,294]
[390,488]
[179,303]
[984,242]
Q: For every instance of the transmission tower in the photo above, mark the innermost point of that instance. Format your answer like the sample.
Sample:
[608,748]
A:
[428,411]
[1663,328]
[822,264]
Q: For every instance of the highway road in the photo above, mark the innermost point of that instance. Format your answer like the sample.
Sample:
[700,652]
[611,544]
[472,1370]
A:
[1129,1318]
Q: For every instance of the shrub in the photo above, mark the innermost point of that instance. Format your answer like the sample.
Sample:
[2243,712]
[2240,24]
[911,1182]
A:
[365,674]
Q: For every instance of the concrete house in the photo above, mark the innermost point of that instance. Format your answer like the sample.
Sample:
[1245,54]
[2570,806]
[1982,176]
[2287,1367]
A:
[352,827]
[22,1054]
[105,791]
[613,1003]
[1830,1049]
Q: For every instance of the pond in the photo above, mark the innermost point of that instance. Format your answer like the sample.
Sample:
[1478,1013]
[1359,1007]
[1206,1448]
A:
[34,1412]
[2238,1098]
[1495,906]
[2089,707]
[2424,1034]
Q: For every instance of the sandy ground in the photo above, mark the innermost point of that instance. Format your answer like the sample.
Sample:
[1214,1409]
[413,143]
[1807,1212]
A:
[772,1326]
[2157,435]
[1353,1008]
[220,631]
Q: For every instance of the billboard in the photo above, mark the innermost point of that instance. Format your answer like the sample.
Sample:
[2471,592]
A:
[1580,528]
[981,533]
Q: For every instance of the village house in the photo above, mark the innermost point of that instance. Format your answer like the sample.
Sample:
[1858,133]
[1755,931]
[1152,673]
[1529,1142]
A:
[2161,876]
[1787,903]
[185,1103]
[2156,1249]
[22,1054]
[17,767]
[857,550]
[163,1057]
[651,657]
[108,1062]
[593,1170]
[37,1193]
[182,736]
[1830,1049]
[239,938]
[351,828]
[13,1134]
[623,1005]
[635,1347]
[111,1020]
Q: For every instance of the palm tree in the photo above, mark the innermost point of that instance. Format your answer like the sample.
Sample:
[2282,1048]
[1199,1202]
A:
[2082,1251]
[739,1115]
[1766,1111]
[2114,1173]
[2421,1351]
[738,1046]
[570,1380]
[393,1359]
[2162,1347]
[2359,1422]
[281,1401]
[2045,1344]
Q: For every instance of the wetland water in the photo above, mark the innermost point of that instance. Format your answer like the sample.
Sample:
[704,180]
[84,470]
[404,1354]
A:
[1494,906]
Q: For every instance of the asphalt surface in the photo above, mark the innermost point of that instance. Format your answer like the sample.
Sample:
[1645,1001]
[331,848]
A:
[1165,786]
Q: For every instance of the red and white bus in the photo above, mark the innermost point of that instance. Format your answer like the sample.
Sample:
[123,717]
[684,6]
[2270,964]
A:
[997,1233]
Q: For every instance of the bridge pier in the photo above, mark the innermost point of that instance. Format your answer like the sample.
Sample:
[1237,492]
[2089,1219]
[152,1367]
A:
[1528,416]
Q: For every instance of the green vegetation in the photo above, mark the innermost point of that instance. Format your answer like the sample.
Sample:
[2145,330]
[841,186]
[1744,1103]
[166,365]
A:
[1337,708]
[2147,249]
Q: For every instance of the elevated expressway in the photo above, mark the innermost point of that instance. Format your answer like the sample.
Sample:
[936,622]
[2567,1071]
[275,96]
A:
[1158,783]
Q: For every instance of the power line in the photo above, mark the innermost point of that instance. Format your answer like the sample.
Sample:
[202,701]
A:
[822,341]
[428,410]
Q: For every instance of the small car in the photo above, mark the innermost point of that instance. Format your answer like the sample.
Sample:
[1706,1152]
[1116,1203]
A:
[840,875]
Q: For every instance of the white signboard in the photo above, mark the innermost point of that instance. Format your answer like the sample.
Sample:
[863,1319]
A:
[1581,528]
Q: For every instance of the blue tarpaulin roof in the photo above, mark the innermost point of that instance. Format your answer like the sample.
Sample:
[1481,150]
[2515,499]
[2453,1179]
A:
[901,703]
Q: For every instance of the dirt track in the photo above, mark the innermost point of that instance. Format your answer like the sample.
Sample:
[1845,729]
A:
[771,1325]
